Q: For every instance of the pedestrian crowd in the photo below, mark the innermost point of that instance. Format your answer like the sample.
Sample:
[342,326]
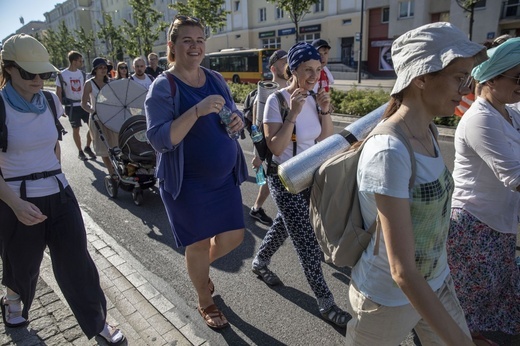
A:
[442,260]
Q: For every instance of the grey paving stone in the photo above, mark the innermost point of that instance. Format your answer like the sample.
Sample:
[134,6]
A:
[134,296]
[146,309]
[148,291]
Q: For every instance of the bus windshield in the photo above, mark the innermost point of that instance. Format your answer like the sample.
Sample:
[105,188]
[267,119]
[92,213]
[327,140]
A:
[241,65]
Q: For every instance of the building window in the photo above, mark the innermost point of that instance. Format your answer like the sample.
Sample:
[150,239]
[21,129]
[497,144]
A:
[237,6]
[406,9]
[511,8]
[279,13]
[309,37]
[319,6]
[271,42]
[385,15]
[262,14]
[481,4]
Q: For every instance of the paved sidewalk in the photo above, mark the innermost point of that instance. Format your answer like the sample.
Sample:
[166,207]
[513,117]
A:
[144,315]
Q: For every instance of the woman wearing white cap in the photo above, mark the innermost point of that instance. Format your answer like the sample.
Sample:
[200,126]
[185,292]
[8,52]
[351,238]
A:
[486,201]
[407,284]
[37,206]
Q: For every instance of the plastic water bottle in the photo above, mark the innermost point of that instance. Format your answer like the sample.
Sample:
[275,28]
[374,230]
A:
[225,115]
[256,135]
[260,175]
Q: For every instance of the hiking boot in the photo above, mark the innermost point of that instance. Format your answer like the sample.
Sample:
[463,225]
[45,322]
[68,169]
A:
[82,156]
[90,153]
[267,276]
[261,216]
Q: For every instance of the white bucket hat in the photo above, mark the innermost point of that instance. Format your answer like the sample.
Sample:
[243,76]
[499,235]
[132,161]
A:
[428,49]
[28,53]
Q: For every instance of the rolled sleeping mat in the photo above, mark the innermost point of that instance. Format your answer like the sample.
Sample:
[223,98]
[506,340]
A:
[297,173]
[265,88]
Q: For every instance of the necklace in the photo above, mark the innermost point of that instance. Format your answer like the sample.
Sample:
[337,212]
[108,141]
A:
[186,80]
[420,142]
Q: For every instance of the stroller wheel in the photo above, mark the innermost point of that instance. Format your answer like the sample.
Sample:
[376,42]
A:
[111,185]
[137,195]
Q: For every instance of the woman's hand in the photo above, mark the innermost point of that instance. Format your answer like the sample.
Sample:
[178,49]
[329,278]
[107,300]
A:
[211,104]
[236,123]
[256,162]
[298,98]
[27,213]
[323,100]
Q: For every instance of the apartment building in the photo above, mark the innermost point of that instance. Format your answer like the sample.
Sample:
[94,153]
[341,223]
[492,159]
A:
[256,24]
[89,15]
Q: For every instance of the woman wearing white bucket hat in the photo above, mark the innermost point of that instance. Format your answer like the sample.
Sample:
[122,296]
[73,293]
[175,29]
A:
[37,206]
[407,285]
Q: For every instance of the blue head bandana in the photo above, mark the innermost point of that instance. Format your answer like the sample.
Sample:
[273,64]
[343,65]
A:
[502,58]
[301,52]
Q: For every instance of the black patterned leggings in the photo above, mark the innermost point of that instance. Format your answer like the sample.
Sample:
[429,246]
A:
[293,220]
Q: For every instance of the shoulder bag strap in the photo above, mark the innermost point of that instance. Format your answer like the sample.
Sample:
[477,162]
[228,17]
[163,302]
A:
[284,111]
[52,105]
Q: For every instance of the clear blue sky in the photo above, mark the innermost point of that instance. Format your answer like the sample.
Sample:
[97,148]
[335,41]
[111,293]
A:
[12,10]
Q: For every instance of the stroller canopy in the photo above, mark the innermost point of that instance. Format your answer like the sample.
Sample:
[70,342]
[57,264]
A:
[119,100]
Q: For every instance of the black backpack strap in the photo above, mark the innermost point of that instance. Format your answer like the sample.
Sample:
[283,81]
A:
[3,127]
[284,111]
[52,105]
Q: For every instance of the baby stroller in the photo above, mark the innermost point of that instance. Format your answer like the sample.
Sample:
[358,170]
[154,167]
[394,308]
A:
[120,107]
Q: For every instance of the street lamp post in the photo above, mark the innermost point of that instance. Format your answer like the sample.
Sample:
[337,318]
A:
[361,41]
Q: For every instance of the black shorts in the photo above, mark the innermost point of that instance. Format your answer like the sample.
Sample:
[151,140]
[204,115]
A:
[76,115]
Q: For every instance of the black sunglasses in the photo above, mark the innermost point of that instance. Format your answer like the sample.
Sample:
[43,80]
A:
[124,67]
[30,76]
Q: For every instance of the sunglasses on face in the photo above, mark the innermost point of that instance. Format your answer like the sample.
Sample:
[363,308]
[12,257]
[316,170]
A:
[466,82]
[513,77]
[30,76]
[123,67]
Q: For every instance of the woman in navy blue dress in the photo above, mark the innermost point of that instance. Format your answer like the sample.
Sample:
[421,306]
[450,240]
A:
[199,166]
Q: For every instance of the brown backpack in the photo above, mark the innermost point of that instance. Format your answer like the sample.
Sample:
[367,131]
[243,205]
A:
[335,212]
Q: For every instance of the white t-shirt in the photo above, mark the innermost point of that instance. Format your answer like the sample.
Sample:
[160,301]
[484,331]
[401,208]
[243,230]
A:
[487,166]
[308,126]
[146,82]
[73,85]
[31,141]
[385,168]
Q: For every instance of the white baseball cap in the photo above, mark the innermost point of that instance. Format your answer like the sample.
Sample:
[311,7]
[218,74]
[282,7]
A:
[28,53]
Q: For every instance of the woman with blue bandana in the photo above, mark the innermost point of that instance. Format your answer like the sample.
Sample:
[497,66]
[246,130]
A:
[486,202]
[306,122]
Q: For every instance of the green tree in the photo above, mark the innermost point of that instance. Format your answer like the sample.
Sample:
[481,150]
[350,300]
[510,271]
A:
[112,37]
[59,44]
[85,44]
[145,29]
[469,6]
[297,9]
[211,12]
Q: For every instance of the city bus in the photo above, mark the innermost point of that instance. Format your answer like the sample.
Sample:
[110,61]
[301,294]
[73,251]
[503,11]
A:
[241,65]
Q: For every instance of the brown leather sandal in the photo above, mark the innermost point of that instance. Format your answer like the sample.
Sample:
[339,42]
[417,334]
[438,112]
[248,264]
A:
[211,312]
[211,286]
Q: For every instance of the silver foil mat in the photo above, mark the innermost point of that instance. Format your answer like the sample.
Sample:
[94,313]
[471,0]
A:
[297,173]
